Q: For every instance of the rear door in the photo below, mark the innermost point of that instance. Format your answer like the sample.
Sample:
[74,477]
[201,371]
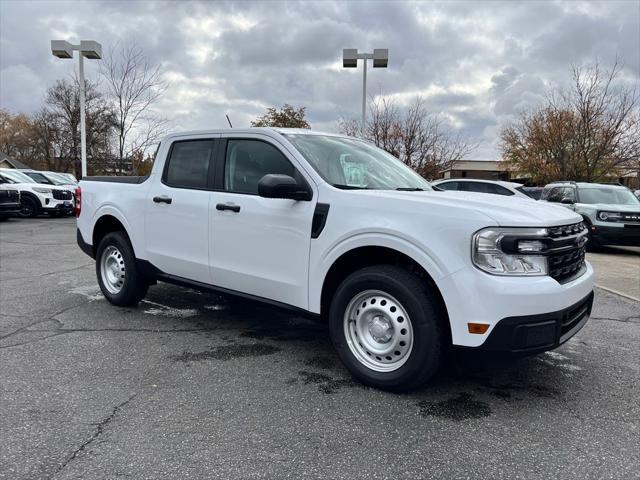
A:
[177,210]
[259,246]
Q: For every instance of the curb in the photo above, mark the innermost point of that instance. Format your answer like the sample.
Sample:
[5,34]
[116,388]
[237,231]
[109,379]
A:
[616,292]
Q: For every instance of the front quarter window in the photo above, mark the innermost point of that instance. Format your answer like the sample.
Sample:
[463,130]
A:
[354,164]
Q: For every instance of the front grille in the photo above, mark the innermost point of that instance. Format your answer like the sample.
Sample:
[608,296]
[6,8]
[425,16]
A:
[62,195]
[563,266]
[630,217]
[566,255]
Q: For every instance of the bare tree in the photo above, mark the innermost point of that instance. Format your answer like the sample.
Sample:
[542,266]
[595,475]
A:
[421,139]
[588,132]
[134,87]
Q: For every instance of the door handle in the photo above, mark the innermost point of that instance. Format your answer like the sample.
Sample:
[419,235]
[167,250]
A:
[162,199]
[228,206]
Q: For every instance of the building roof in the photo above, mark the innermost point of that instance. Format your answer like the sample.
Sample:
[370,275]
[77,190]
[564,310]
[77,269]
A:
[12,161]
[482,165]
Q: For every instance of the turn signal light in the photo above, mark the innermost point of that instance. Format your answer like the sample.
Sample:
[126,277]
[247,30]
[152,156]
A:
[479,328]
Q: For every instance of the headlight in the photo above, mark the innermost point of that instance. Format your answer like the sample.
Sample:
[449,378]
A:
[41,190]
[609,216]
[510,251]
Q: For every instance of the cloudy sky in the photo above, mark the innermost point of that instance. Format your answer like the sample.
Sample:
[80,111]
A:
[476,63]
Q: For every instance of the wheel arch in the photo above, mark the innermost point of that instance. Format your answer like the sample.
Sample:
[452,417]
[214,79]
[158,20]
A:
[368,255]
[32,196]
[105,224]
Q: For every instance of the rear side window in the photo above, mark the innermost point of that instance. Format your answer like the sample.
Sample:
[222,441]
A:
[448,185]
[188,165]
[247,161]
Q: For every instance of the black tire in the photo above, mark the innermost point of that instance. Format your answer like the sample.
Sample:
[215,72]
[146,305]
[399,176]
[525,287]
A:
[29,207]
[426,320]
[593,245]
[135,285]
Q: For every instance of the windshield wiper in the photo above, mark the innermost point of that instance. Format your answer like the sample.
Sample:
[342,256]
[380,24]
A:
[349,187]
[410,189]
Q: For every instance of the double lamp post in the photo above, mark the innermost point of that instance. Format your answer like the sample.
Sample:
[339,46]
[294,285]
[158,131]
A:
[93,51]
[350,57]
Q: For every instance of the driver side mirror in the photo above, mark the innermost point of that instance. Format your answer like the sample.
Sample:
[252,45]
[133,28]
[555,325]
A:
[567,201]
[283,186]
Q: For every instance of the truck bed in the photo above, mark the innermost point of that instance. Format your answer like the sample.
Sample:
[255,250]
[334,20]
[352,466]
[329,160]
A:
[117,179]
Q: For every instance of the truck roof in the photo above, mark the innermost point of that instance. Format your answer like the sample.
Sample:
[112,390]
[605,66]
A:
[266,130]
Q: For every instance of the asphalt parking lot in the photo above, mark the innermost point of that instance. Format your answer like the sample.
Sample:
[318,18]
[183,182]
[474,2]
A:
[190,385]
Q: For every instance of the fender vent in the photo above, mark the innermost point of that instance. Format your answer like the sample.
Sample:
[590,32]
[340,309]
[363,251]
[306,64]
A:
[319,219]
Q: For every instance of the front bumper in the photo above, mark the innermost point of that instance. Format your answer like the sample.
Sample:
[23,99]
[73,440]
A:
[472,296]
[531,334]
[621,234]
[58,206]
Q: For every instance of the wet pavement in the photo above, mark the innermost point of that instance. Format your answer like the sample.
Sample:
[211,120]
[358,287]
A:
[192,385]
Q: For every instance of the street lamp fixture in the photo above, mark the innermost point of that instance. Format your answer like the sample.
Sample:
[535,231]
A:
[92,50]
[350,57]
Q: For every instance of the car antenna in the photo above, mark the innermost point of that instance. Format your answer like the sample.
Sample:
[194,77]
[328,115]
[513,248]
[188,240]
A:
[229,121]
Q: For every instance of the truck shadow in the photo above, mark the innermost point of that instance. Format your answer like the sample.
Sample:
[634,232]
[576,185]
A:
[465,387]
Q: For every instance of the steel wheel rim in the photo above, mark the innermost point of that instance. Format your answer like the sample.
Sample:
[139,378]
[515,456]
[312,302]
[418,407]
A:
[112,269]
[378,331]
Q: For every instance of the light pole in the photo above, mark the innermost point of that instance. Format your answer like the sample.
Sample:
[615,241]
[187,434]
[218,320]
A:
[380,57]
[92,50]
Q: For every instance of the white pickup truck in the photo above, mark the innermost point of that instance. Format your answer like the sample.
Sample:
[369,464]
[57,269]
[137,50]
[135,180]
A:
[334,227]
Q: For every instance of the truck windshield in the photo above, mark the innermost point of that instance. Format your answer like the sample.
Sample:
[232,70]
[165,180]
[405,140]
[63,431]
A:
[349,163]
[612,196]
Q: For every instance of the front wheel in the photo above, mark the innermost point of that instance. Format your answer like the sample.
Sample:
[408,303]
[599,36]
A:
[28,207]
[119,279]
[387,328]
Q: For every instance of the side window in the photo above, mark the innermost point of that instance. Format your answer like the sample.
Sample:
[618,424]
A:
[188,165]
[247,161]
[476,187]
[499,190]
[554,194]
[448,185]
[569,192]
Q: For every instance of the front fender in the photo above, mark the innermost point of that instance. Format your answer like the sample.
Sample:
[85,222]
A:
[321,267]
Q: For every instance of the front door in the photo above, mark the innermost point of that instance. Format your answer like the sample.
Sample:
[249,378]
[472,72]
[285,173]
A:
[177,211]
[259,246]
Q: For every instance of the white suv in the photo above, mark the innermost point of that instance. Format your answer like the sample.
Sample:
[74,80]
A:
[496,187]
[36,198]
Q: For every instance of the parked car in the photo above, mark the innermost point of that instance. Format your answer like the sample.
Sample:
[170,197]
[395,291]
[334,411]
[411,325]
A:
[533,192]
[611,212]
[333,227]
[9,200]
[68,176]
[50,178]
[496,187]
[36,198]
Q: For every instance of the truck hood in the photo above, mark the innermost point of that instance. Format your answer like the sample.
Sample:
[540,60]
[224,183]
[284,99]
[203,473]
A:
[500,210]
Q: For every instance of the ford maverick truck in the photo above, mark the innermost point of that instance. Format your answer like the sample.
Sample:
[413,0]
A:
[334,227]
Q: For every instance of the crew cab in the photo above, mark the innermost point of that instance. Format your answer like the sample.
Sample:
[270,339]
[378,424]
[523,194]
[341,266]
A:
[334,227]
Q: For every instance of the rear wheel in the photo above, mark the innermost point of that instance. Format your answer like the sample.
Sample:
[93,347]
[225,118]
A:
[119,279]
[387,328]
[28,207]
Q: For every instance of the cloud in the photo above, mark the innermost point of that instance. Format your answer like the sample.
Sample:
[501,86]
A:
[477,63]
